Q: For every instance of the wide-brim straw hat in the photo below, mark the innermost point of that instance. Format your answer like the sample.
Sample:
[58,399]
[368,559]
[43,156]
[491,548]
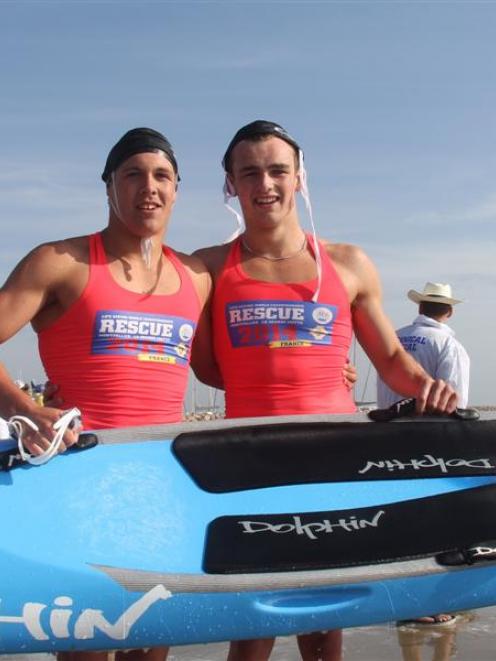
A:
[434,292]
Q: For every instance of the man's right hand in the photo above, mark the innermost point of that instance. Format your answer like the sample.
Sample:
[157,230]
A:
[37,442]
[350,375]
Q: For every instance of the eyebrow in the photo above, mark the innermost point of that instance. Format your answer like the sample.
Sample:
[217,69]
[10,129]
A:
[279,166]
[140,168]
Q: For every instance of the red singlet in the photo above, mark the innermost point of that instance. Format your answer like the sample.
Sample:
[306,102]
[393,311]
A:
[279,353]
[121,357]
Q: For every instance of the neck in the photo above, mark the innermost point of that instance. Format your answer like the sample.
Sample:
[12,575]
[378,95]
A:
[275,251]
[124,245]
[442,319]
[278,240]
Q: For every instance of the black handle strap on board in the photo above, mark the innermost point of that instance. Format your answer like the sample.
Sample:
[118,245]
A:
[405,408]
[11,458]
[239,458]
[479,553]
[446,527]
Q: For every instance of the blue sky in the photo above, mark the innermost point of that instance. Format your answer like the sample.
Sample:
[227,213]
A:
[393,102]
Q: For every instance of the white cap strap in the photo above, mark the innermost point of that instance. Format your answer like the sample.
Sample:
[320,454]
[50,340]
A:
[146,244]
[306,197]
[228,194]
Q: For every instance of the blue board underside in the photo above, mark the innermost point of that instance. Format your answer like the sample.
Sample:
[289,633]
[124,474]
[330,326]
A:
[67,611]
[132,506]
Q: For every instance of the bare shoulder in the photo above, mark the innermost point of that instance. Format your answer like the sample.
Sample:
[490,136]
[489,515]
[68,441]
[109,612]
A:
[214,257]
[70,250]
[347,254]
[52,261]
[191,262]
[354,267]
[199,273]
[44,283]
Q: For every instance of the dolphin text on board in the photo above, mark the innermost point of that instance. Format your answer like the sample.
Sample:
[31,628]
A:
[63,624]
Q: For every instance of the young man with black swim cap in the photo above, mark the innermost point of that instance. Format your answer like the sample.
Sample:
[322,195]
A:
[115,312]
[284,308]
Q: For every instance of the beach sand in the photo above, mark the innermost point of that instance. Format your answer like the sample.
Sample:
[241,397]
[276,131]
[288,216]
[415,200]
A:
[472,638]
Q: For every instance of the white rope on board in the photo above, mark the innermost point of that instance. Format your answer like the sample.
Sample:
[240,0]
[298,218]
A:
[72,417]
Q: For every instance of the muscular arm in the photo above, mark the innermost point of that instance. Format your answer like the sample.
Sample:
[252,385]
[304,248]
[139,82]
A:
[202,354]
[376,334]
[27,292]
[202,358]
[202,361]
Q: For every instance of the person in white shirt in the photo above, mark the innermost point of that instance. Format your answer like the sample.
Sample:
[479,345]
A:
[432,343]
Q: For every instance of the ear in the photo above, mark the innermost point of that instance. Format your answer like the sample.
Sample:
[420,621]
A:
[298,182]
[230,186]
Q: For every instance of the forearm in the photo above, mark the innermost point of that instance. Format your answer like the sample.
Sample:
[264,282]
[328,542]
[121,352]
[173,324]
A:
[403,374]
[37,439]
[203,360]
[407,378]
[397,368]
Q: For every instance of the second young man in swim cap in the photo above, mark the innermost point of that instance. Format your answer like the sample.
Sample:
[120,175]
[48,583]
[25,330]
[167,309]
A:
[284,309]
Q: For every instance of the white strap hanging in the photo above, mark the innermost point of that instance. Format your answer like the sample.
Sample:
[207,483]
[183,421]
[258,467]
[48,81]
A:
[228,194]
[306,197]
[146,244]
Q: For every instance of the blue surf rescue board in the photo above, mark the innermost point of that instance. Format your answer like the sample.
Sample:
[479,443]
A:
[239,529]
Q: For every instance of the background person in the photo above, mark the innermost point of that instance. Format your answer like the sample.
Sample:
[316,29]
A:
[441,640]
[432,343]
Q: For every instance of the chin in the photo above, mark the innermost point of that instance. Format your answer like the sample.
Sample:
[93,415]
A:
[151,228]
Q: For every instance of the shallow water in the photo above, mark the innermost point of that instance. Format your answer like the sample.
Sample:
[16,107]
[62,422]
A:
[472,638]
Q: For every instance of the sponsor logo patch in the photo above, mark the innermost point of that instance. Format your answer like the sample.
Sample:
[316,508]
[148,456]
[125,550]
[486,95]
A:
[279,324]
[149,337]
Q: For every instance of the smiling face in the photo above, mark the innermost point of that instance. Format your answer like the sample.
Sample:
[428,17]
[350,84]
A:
[142,192]
[265,177]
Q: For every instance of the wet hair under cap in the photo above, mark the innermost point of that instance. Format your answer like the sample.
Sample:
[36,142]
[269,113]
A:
[138,141]
[258,129]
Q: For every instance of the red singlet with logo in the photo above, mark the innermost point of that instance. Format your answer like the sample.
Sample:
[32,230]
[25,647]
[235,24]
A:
[122,357]
[279,353]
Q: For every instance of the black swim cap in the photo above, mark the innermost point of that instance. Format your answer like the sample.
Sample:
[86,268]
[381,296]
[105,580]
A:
[138,141]
[258,128]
